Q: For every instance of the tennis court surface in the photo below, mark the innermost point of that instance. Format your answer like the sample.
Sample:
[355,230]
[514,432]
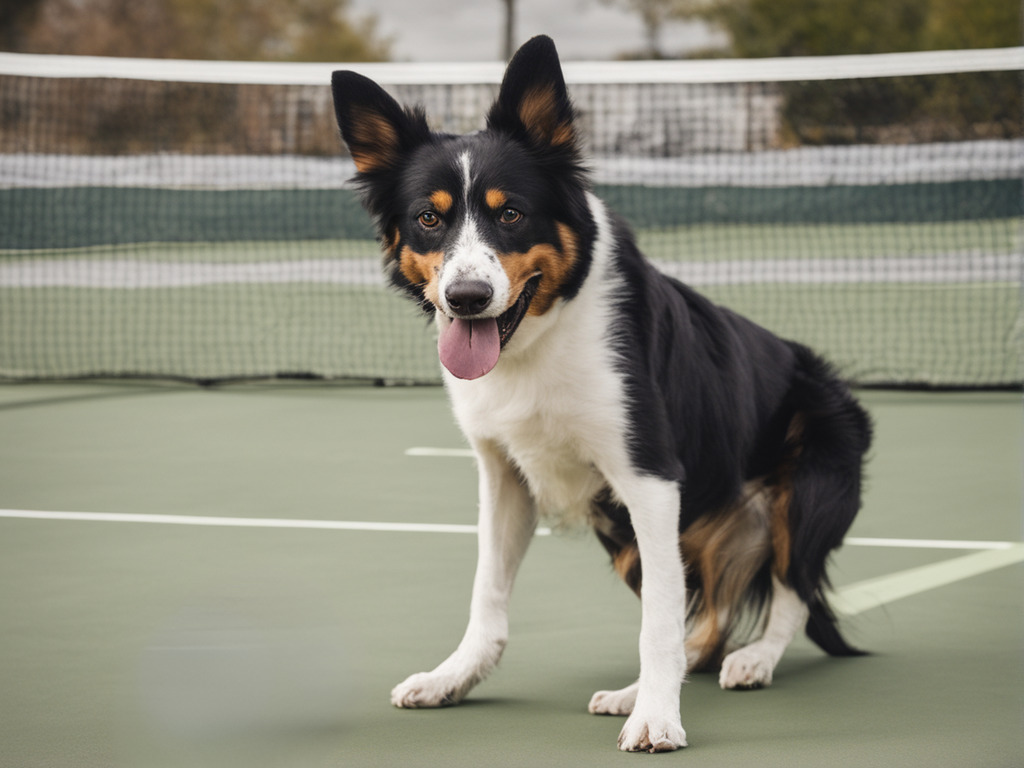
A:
[138,636]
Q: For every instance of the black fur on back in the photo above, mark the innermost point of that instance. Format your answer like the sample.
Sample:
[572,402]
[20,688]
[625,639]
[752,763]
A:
[718,401]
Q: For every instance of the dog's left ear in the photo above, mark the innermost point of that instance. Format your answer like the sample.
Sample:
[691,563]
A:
[533,101]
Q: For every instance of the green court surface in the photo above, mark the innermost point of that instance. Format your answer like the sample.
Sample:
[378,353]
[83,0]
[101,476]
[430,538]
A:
[132,634]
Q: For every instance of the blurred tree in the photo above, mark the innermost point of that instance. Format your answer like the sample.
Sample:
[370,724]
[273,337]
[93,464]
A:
[508,44]
[956,24]
[655,13]
[15,17]
[986,101]
[884,109]
[268,30]
[830,27]
[759,28]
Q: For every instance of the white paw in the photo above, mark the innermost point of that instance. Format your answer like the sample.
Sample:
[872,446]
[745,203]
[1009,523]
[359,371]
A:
[746,668]
[428,689]
[651,734]
[613,702]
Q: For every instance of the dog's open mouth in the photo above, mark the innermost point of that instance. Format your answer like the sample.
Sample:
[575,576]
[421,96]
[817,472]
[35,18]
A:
[470,348]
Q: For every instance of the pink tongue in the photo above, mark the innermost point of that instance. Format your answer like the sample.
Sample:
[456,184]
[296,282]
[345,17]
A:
[469,348]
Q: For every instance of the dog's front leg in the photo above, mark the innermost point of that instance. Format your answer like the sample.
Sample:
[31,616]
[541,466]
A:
[654,725]
[507,523]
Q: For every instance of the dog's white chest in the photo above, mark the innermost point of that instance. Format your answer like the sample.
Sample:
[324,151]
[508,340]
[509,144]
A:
[558,469]
[557,435]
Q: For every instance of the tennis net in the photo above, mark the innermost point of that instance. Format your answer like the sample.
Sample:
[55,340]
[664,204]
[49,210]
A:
[192,219]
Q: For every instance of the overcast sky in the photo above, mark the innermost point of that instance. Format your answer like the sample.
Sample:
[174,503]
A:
[472,30]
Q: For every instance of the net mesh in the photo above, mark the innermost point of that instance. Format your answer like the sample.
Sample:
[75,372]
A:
[206,230]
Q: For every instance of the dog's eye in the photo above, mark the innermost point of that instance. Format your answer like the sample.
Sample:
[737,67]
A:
[429,219]
[510,216]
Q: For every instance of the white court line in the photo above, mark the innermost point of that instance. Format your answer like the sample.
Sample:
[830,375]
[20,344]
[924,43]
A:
[244,522]
[850,600]
[858,541]
[873,593]
[236,522]
[855,541]
[356,525]
[455,453]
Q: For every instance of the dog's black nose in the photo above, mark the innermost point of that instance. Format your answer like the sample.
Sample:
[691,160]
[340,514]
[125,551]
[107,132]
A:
[468,297]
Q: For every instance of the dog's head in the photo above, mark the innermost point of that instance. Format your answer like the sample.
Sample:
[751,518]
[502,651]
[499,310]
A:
[486,230]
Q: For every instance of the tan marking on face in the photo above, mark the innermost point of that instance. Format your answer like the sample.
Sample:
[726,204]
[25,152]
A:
[442,201]
[553,263]
[373,141]
[422,269]
[539,113]
[495,199]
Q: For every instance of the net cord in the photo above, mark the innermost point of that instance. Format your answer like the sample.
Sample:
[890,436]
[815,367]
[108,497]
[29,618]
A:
[794,68]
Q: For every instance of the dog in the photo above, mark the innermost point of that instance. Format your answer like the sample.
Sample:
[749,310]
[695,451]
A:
[718,464]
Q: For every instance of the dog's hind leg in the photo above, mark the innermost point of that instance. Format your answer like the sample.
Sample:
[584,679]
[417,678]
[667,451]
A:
[507,523]
[752,666]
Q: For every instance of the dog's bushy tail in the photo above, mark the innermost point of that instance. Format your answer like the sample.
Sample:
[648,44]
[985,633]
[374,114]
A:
[831,434]
[822,629]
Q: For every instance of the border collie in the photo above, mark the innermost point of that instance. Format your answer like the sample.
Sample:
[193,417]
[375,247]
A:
[718,464]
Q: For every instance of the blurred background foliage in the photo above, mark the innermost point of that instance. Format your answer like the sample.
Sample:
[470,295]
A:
[243,30]
[887,110]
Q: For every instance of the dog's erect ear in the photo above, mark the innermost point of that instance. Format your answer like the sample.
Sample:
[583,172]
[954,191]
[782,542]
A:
[374,126]
[533,98]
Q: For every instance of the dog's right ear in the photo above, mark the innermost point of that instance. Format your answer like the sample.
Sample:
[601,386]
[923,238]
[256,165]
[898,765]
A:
[374,126]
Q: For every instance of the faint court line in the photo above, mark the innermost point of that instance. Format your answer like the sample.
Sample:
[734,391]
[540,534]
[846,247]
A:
[850,600]
[872,593]
[236,522]
[132,274]
[357,525]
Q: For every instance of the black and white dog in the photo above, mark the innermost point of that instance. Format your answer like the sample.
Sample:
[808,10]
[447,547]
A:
[718,464]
